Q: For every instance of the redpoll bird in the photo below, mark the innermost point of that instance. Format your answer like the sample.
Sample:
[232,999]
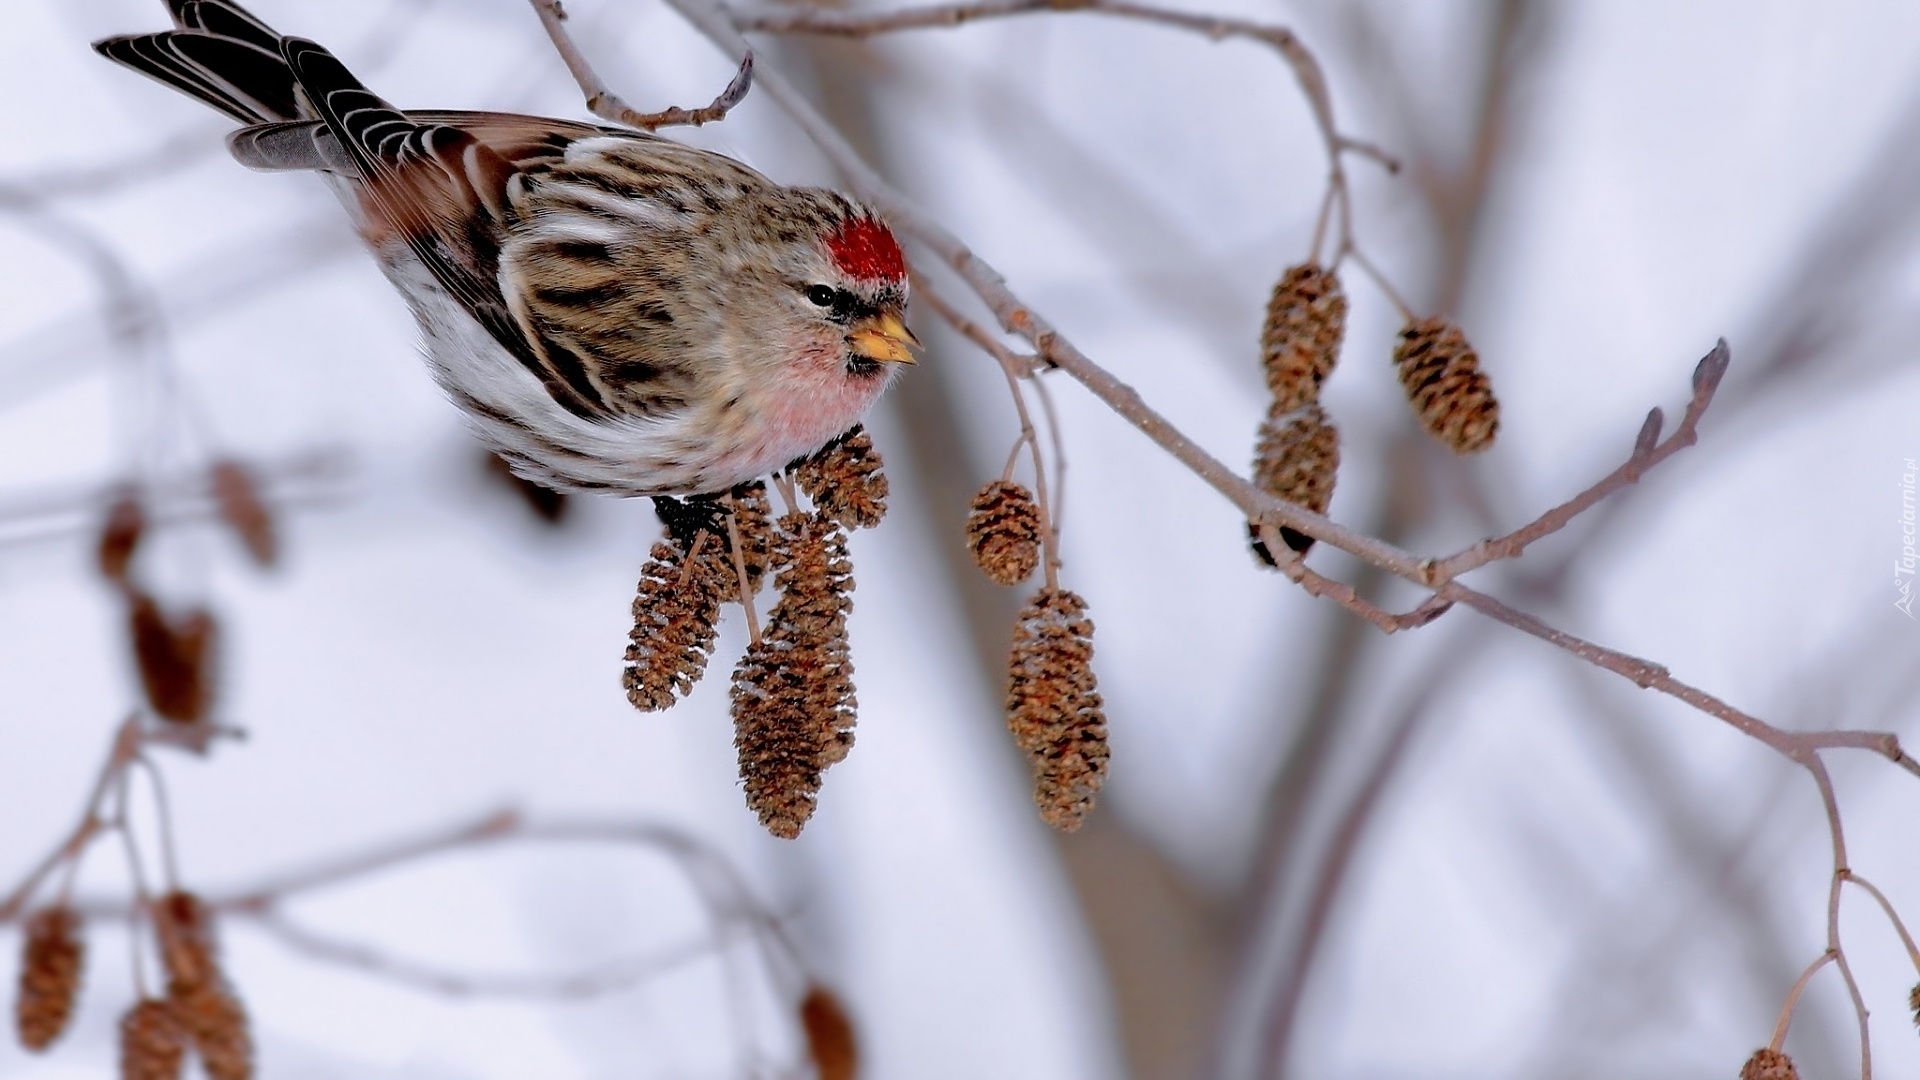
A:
[613,311]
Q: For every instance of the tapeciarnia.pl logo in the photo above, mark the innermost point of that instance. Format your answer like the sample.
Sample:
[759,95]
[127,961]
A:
[1903,567]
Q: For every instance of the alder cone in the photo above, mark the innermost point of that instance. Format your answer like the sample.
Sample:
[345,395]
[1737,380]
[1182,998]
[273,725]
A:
[676,610]
[1300,342]
[237,492]
[1003,532]
[844,480]
[1441,375]
[1054,707]
[1768,1064]
[1296,460]
[153,1045]
[51,962]
[175,657]
[830,1039]
[793,696]
[120,537]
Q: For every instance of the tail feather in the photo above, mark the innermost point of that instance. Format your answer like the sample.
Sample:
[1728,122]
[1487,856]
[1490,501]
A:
[219,54]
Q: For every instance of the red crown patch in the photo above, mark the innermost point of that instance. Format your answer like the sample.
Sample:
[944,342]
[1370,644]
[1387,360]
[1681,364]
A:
[863,248]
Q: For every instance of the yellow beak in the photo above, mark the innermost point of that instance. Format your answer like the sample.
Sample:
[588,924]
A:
[883,338]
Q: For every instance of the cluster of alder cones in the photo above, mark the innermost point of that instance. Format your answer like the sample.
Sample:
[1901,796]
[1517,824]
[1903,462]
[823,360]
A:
[1298,450]
[1053,702]
[793,694]
[199,1013]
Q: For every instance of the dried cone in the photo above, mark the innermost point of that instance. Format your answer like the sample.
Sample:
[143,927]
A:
[676,613]
[1913,1004]
[216,1024]
[1053,706]
[120,538]
[1441,375]
[198,995]
[1766,1064]
[153,1046]
[1297,460]
[241,507]
[1300,343]
[845,482]
[175,657]
[752,520]
[793,700]
[1003,532]
[830,1040]
[50,967]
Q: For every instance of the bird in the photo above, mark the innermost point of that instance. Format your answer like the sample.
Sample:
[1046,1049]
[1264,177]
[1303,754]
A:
[612,311]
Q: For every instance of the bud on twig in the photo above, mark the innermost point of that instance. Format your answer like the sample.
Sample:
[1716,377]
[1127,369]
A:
[153,1046]
[1297,460]
[793,699]
[844,480]
[1769,1064]
[175,657]
[830,1040]
[1300,343]
[1003,532]
[1053,706]
[50,967]
[1441,375]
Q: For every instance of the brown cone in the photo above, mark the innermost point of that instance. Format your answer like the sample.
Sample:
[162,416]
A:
[200,999]
[831,1044]
[1300,343]
[1297,459]
[153,1045]
[793,698]
[1053,706]
[845,482]
[241,507]
[1768,1064]
[175,655]
[1441,375]
[51,963]
[752,519]
[120,538]
[1003,532]
[676,612]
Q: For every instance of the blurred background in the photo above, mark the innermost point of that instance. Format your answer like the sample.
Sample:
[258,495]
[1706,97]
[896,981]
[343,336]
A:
[1322,852]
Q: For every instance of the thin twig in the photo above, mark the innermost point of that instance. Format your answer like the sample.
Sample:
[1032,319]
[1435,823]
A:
[607,105]
[1793,998]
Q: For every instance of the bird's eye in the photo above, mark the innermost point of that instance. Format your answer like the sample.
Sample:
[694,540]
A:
[824,295]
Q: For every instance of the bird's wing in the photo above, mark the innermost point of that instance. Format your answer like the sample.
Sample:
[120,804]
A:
[443,191]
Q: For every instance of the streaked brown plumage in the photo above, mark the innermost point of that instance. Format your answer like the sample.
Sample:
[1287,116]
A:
[613,311]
